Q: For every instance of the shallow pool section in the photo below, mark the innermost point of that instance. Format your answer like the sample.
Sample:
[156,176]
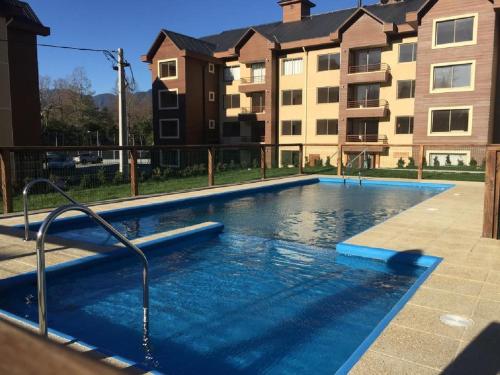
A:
[234,304]
[321,214]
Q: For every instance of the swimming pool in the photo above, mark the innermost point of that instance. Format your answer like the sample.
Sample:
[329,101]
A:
[270,295]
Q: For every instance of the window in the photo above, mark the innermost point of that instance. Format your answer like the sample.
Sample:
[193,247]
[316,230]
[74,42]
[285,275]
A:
[211,68]
[366,60]
[211,124]
[450,121]
[328,95]
[170,158]
[291,127]
[232,101]
[169,128]
[329,62]
[168,99]
[291,97]
[231,73]
[231,129]
[258,73]
[168,69]
[437,158]
[289,158]
[211,96]
[454,31]
[407,52]
[449,77]
[406,89]
[404,125]
[327,127]
[292,67]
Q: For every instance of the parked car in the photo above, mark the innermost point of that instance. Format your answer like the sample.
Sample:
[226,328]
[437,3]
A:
[57,160]
[87,157]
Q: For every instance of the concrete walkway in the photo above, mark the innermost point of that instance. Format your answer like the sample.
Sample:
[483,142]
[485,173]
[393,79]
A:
[467,283]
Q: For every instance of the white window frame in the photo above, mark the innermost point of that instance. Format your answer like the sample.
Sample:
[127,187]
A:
[211,96]
[171,165]
[176,69]
[211,68]
[176,95]
[160,130]
[472,85]
[452,18]
[211,124]
[453,133]
[293,71]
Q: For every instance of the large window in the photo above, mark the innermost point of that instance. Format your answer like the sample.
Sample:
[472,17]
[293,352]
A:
[168,69]
[407,52]
[169,128]
[292,67]
[328,95]
[291,97]
[232,101]
[452,77]
[289,158]
[366,60]
[168,99]
[330,61]
[404,125]
[291,127]
[406,89]
[232,73]
[231,129]
[327,127]
[452,121]
[454,31]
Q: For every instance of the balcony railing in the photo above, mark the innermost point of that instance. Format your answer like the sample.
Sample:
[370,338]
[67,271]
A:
[366,138]
[253,109]
[381,67]
[253,80]
[367,103]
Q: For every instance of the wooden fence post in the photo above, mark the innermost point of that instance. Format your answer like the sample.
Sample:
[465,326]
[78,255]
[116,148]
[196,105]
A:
[301,159]
[263,162]
[340,160]
[211,157]
[491,195]
[421,158]
[5,177]
[134,185]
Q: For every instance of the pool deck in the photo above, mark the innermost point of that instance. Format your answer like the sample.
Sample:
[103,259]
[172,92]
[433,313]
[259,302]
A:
[466,283]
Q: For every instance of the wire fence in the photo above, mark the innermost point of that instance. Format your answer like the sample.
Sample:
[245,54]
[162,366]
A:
[92,174]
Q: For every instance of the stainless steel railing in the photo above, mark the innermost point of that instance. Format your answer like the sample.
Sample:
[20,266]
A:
[40,254]
[350,164]
[26,191]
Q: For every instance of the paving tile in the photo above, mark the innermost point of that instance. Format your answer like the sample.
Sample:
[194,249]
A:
[491,291]
[416,346]
[446,301]
[455,285]
[470,273]
[487,309]
[375,363]
[494,277]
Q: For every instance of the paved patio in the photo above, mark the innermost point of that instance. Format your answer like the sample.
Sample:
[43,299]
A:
[467,282]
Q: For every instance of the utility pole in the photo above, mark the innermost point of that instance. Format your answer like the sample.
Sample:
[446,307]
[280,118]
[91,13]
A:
[122,113]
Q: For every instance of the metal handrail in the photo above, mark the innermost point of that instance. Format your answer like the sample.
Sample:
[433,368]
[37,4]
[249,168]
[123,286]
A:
[367,103]
[40,255]
[26,191]
[367,68]
[253,80]
[349,165]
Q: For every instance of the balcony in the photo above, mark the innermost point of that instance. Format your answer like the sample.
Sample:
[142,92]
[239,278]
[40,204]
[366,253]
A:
[372,73]
[366,138]
[255,112]
[252,84]
[367,108]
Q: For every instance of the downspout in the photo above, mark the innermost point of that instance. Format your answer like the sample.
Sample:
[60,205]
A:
[306,90]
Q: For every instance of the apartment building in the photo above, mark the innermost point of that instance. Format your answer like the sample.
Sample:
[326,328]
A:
[394,73]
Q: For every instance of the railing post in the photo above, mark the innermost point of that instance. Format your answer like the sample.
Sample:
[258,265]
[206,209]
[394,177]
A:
[134,185]
[340,160]
[301,159]
[491,195]
[5,177]
[421,158]
[211,157]
[263,162]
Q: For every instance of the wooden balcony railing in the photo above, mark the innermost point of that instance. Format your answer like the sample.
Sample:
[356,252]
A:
[382,67]
[253,80]
[366,138]
[367,103]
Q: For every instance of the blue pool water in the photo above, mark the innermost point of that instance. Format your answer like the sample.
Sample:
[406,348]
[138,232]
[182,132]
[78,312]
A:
[269,296]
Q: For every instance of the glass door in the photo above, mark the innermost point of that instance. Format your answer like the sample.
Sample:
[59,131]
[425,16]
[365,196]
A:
[258,72]
[258,102]
[367,60]
[363,96]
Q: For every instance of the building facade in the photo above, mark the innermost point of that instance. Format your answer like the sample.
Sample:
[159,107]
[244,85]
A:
[20,123]
[395,73]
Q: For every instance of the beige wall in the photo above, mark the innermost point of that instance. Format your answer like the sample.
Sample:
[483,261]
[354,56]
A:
[6,137]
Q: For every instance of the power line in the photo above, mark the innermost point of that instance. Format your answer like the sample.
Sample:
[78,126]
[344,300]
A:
[61,46]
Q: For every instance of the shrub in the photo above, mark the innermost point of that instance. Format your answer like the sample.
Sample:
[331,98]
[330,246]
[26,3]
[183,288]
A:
[167,173]
[473,163]
[306,161]
[401,163]
[101,176]
[232,165]
[411,163]
[460,163]
[328,161]
[118,178]
[318,162]
[255,163]
[86,182]
[448,161]
[424,162]
[436,162]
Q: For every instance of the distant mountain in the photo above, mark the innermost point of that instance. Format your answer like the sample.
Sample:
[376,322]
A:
[109,100]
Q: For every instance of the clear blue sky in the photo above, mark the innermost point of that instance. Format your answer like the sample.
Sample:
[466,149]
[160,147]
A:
[133,25]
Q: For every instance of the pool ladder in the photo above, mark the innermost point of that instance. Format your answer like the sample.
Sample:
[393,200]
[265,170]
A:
[40,252]
[349,165]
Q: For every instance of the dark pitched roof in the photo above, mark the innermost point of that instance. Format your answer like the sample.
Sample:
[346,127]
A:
[315,26]
[23,15]
[189,43]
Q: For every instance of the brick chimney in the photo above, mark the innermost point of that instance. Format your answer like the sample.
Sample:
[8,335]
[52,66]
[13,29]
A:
[295,10]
